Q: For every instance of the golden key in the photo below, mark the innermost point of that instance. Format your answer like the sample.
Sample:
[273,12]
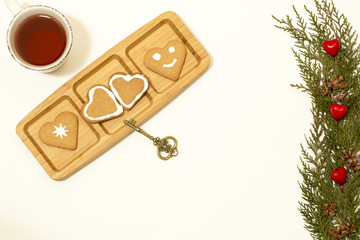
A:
[165,149]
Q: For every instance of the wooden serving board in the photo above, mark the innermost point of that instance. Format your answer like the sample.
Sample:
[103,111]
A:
[127,57]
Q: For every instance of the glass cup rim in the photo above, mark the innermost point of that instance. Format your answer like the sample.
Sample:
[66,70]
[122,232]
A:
[63,21]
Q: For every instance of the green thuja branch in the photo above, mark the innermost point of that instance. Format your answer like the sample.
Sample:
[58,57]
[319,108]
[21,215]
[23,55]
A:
[328,138]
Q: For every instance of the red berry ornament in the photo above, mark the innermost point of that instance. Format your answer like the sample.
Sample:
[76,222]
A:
[339,175]
[332,47]
[338,111]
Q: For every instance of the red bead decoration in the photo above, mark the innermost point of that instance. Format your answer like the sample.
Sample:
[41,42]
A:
[332,47]
[339,175]
[338,111]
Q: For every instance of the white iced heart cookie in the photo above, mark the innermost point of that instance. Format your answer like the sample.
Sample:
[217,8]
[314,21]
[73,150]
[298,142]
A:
[167,61]
[128,89]
[102,105]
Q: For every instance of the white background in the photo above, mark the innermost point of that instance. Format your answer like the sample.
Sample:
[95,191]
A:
[239,128]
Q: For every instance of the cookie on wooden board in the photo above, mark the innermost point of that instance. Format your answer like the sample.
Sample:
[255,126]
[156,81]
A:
[167,61]
[101,105]
[62,133]
[128,89]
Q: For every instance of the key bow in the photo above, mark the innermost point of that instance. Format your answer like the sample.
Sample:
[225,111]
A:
[164,146]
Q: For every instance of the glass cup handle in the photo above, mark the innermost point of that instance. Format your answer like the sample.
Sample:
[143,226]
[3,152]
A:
[13,6]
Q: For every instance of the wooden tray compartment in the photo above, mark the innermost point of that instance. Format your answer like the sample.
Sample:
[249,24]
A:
[164,31]
[127,57]
[88,136]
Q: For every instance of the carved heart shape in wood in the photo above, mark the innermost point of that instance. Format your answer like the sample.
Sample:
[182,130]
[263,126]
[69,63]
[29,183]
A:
[167,61]
[102,105]
[128,89]
[62,133]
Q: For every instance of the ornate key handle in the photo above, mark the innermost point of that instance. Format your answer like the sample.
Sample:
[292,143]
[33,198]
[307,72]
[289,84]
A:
[165,148]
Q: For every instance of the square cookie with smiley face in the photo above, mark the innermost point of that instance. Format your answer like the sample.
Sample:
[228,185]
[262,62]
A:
[167,61]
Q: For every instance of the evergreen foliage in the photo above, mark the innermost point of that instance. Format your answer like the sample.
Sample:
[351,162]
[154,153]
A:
[328,138]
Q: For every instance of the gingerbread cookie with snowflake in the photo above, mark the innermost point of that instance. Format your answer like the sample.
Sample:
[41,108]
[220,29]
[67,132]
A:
[62,133]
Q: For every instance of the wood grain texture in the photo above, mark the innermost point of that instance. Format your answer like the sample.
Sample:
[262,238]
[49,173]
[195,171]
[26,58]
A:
[127,57]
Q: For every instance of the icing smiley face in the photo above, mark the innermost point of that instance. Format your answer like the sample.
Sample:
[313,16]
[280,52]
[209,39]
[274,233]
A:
[157,57]
[167,61]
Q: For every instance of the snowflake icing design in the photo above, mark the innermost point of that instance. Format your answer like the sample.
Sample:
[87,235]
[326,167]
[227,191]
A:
[60,131]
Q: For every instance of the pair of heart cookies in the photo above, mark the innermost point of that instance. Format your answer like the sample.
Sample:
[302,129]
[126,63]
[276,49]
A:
[105,104]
